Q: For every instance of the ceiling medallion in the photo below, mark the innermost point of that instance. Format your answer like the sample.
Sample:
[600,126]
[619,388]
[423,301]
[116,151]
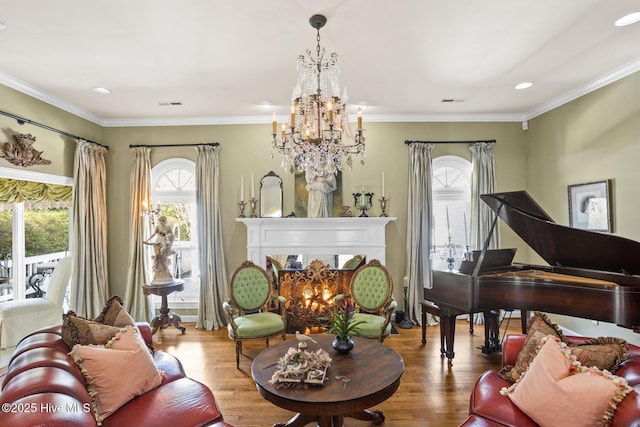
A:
[22,153]
[318,137]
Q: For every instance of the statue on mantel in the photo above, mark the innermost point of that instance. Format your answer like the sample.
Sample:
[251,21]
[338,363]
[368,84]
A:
[162,248]
[320,186]
[22,152]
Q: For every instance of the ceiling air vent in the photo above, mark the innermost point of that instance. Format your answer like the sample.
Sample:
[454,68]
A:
[169,104]
[452,100]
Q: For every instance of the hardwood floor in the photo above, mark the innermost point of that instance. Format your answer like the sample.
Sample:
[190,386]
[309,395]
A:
[431,392]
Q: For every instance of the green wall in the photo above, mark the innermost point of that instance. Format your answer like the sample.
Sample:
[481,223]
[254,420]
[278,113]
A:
[593,138]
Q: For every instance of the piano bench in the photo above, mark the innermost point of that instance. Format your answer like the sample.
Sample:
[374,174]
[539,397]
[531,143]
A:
[434,310]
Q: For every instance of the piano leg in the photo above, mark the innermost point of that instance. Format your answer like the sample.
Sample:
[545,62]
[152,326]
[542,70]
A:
[491,332]
[448,324]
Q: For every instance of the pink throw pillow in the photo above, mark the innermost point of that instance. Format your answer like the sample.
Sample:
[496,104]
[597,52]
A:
[557,390]
[116,372]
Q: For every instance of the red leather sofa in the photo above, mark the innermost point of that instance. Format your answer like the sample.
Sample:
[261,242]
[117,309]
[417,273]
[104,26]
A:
[488,408]
[43,387]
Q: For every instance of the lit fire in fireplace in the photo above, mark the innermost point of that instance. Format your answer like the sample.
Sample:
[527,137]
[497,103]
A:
[310,295]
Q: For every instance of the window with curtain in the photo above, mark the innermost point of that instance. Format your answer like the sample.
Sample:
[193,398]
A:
[173,191]
[451,210]
[34,231]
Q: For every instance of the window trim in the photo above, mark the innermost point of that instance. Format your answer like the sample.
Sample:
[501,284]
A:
[160,169]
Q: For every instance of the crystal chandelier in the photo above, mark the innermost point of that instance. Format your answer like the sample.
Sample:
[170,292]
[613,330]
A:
[318,137]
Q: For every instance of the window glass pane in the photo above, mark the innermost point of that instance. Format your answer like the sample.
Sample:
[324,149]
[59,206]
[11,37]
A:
[451,211]
[174,193]
[46,229]
[176,179]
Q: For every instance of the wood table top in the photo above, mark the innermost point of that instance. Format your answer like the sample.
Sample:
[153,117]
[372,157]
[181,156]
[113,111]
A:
[374,371]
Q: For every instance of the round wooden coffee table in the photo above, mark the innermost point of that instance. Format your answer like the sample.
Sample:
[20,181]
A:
[373,369]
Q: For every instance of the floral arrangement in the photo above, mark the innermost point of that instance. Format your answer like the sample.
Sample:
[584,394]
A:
[299,368]
[342,323]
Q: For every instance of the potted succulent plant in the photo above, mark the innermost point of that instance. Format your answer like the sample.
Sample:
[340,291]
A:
[344,327]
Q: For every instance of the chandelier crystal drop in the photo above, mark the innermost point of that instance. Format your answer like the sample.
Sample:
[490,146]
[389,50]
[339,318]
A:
[318,137]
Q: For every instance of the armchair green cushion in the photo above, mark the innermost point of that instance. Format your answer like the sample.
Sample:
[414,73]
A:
[257,325]
[371,326]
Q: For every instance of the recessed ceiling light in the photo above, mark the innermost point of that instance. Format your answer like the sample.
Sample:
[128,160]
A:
[628,19]
[2,25]
[266,103]
[364,104]
[101,90]
[523,85]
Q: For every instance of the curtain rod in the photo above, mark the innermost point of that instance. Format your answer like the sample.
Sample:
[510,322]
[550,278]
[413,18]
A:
[21,121]
[212,144]
[488,141]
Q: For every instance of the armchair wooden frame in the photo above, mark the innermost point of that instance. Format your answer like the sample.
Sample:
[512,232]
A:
[247,309]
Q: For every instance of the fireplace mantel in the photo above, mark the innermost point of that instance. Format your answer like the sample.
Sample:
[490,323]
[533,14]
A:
[316,236]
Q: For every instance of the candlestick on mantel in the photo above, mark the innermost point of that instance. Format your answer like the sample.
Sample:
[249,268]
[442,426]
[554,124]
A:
[382,183]
[242,188]
[252,189]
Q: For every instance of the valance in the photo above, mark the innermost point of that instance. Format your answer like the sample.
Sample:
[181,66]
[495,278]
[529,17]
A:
[16,191]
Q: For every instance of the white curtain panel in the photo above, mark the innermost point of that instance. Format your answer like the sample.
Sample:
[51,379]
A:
[213,273]
[419,222]
[136,303]
[483,181]
[89,280]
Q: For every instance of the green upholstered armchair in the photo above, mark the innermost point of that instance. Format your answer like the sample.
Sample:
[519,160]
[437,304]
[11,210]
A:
[372,293]
[250,293]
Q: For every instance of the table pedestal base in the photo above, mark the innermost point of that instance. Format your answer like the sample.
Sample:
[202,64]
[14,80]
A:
[165,319]
[300,420]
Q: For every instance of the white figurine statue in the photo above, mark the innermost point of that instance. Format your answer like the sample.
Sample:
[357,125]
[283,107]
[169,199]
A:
[162,248]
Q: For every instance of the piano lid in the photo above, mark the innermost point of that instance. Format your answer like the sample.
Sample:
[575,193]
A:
[561,245]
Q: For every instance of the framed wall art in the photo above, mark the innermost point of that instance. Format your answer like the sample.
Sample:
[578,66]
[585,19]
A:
[590,206]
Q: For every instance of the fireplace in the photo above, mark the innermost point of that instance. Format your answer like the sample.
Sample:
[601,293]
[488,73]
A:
[310,292]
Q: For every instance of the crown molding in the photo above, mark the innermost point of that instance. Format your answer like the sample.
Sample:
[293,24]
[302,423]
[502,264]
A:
[600,82]
[48,98]
[591,86]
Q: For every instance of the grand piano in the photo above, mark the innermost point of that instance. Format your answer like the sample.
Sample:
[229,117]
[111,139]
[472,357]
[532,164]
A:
[591,275]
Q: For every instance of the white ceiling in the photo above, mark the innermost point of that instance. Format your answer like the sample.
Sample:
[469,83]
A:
[221,59]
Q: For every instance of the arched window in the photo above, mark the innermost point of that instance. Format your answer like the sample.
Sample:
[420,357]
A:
[451,210]
[174,192]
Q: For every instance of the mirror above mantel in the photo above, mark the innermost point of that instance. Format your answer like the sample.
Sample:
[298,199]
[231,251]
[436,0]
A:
[271,196]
